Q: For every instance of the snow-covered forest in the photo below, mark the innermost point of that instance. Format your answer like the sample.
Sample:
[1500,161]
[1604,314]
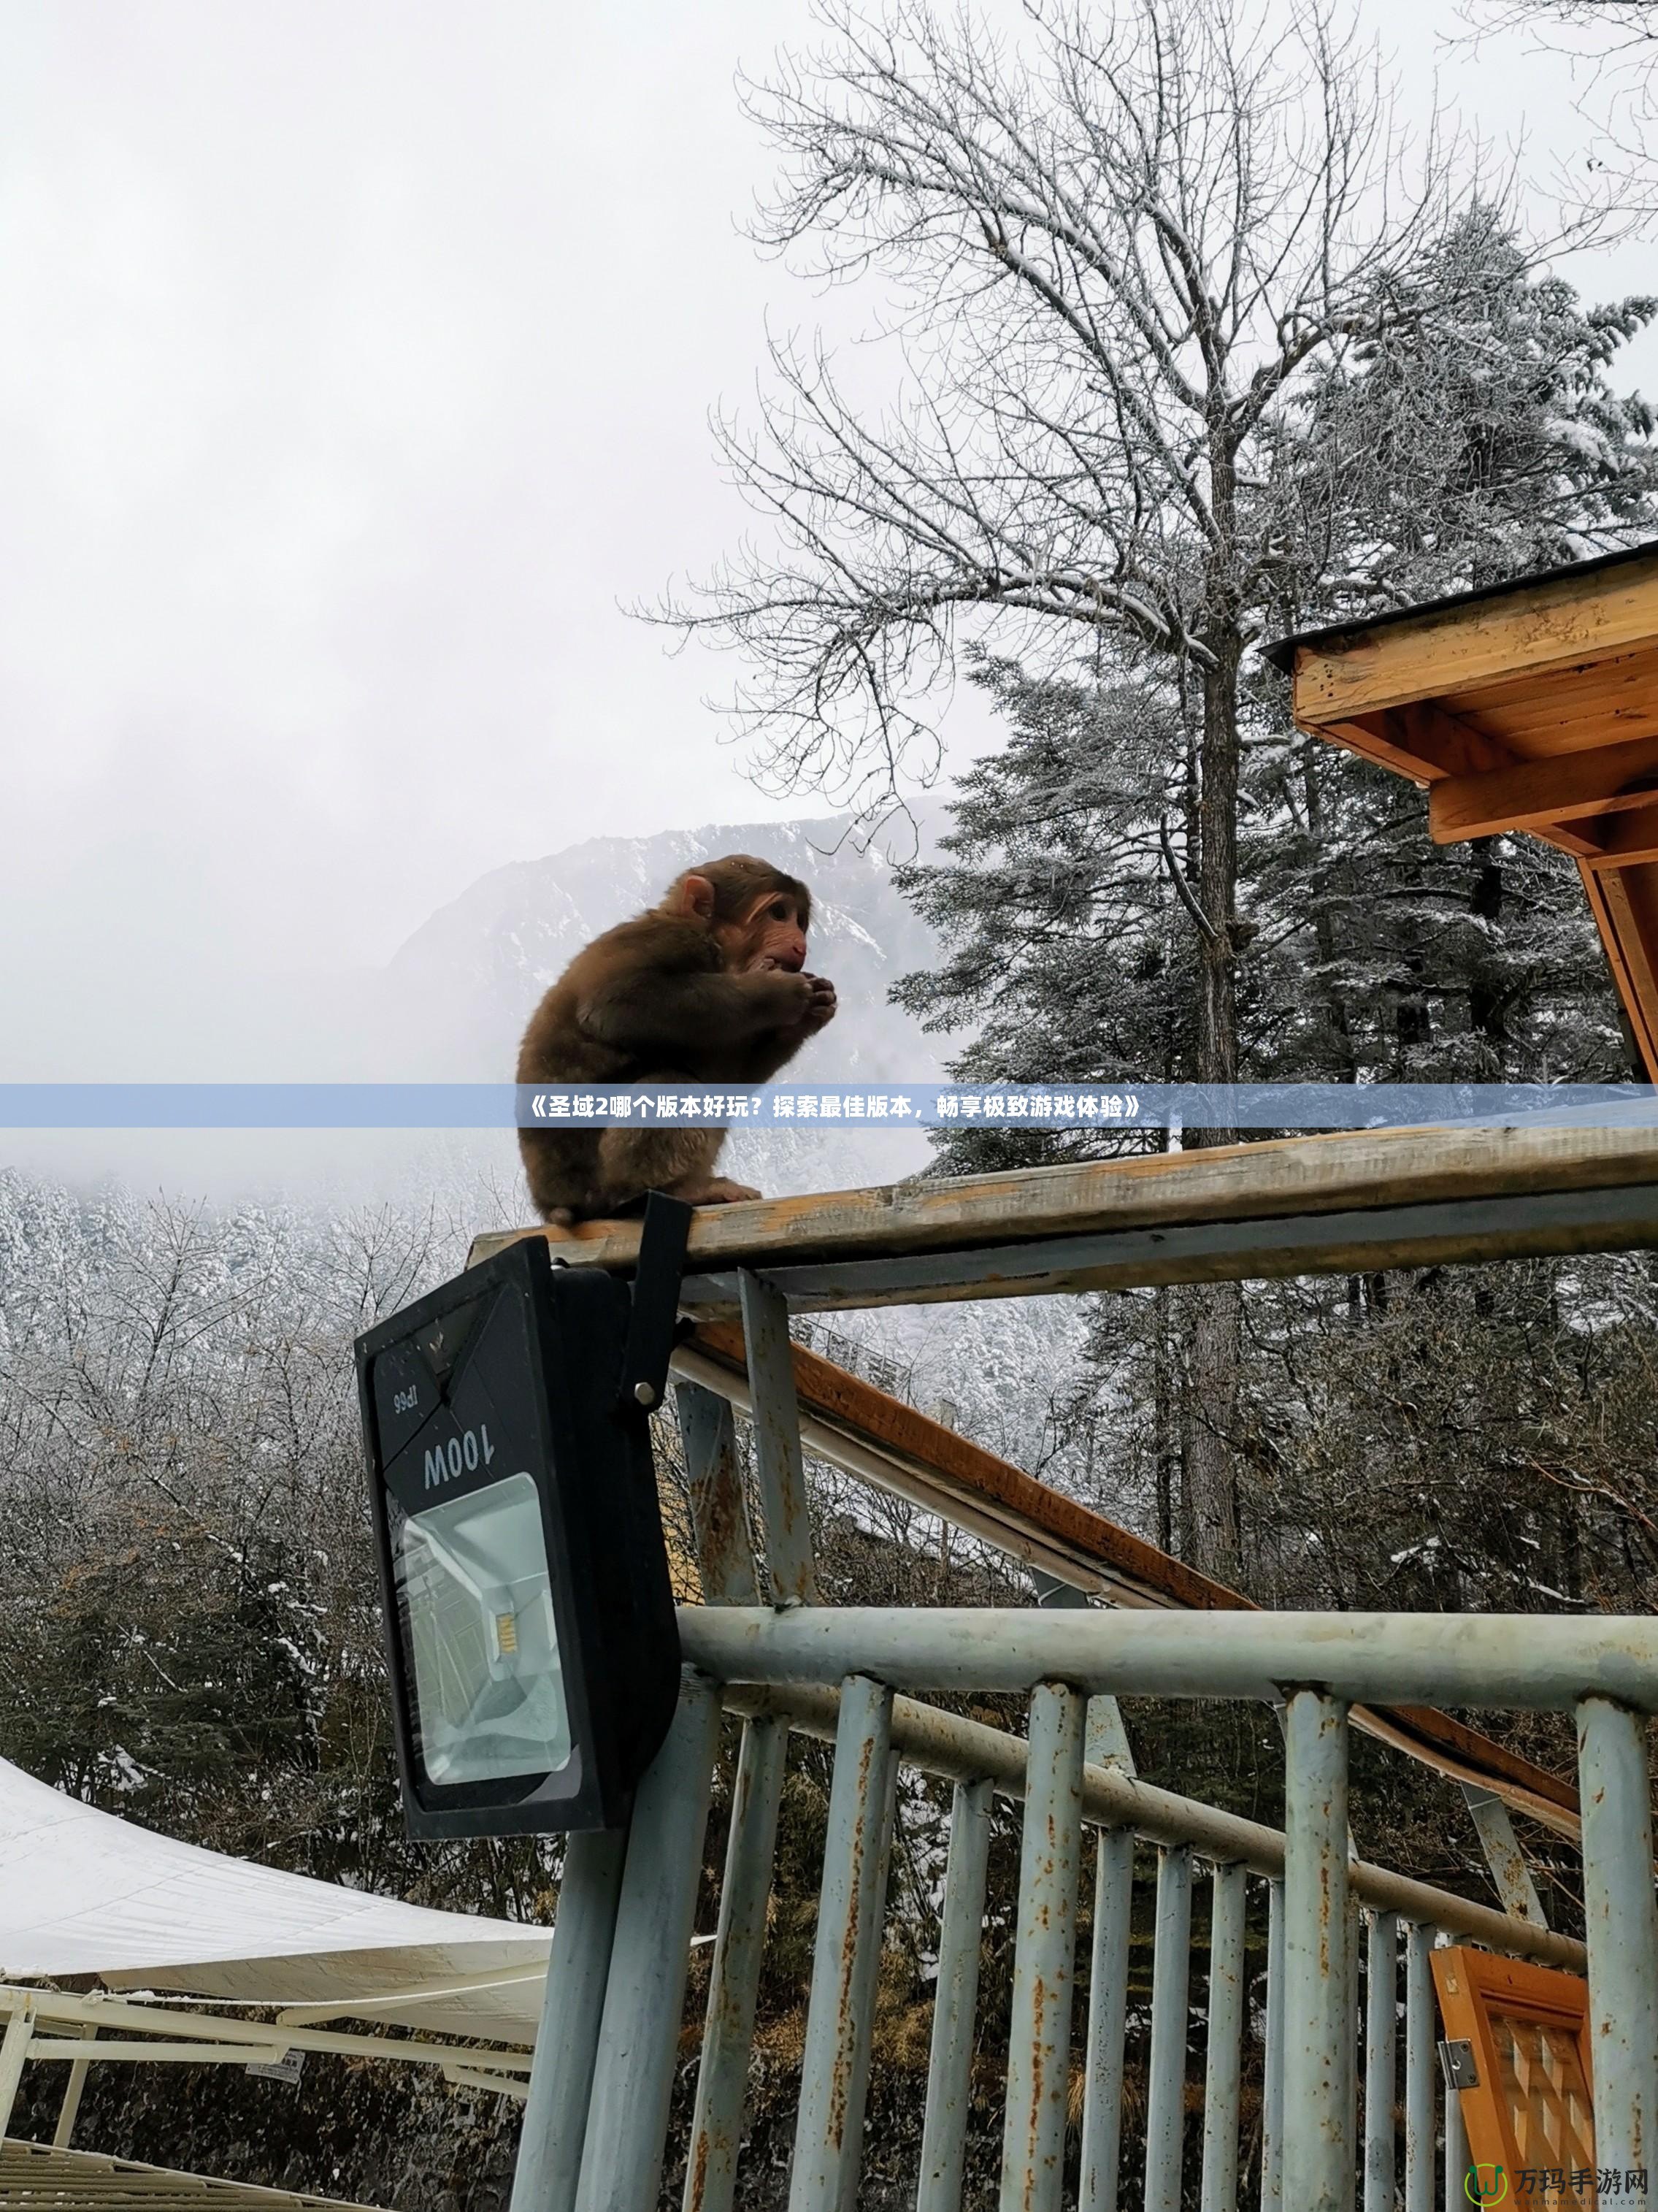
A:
[1193,349]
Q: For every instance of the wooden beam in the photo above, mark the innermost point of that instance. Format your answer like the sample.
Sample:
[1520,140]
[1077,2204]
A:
[1430,655]
[1625,905]
[1534,794]
[1032,1513]
[1357,1171]
[1624,840]
[1420,741]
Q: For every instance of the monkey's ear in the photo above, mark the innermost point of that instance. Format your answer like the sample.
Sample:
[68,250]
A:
[696,899]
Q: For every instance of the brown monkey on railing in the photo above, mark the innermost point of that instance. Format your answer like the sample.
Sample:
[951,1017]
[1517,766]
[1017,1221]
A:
[710,986]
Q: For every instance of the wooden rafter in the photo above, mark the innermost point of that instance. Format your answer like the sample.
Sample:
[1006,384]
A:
[1529,707]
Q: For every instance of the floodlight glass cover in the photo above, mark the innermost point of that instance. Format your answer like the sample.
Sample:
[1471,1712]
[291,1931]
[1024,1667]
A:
[473,1584]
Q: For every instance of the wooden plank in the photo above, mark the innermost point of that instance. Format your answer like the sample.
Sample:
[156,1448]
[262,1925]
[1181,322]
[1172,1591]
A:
[1602,678]
[1441,651]
[1042,1516]
[1462,1232]
[1354,1172]
[1534,794]
[1626,840]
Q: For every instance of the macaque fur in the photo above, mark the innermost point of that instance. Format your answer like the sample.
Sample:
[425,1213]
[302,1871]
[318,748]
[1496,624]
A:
[709,987]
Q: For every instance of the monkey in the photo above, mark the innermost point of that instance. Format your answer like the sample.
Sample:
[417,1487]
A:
[708,987]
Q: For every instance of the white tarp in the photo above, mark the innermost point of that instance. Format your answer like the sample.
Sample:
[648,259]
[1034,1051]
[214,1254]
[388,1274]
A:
[83,1893]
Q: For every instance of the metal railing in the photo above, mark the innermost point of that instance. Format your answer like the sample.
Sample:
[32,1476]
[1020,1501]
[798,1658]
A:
[1342,1935]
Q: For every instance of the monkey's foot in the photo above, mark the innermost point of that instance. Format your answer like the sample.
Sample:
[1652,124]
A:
[717,1191]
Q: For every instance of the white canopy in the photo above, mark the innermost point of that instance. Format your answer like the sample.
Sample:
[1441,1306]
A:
[84,1892]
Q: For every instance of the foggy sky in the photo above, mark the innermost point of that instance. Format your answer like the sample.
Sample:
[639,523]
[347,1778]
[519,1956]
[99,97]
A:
[356,363]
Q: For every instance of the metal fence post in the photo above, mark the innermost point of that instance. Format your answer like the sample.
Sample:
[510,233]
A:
[775,1411]
[1419,2131]
[1620,1918]
[1381,2060]
[1222,2064]
[1165,2098]
[645,1992]
[734,1977]
[14,2051]
[555,2125]
[1318,2150]
[828,2140]
[1044,1959]
[69,2111]
[1272,2093]
[1107,2003]
[948,2087]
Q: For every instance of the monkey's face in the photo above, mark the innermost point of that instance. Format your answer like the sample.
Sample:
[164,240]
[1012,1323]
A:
[769,936]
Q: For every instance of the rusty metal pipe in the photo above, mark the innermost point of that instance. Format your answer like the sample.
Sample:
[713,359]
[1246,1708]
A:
[548,2165]
[1318,2149]
[961,1750]
[1171,1968]
[1381,2060]
[722,2079]
[948,2087]
[645,1992]
[1621,1917]
[826,2144]
[1044,1957]
[1223,2060]
[1107,2006]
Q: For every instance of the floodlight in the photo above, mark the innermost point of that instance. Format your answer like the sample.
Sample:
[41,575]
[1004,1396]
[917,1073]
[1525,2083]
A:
[531,1635]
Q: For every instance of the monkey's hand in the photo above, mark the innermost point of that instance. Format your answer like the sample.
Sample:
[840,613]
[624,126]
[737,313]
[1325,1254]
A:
[821,1006]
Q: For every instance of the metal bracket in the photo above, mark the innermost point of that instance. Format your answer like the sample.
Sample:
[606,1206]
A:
[1509,1873]
[1457,2059]
[653,1326]
[1108,1743]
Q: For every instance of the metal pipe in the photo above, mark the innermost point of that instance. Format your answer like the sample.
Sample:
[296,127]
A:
[549,2167]
[961,1750]
[1044,1957]
[1620,1915]
[1318,2151]
[1419,2130]
[1107,2004]
[1381,2060]
[1223,2061]
[1272,2101]
[949,2065]
[1165,2099]
[1511,1661]
[778,1463]
[645,1989]
[722,2079]
[865,1989]
[826,2149]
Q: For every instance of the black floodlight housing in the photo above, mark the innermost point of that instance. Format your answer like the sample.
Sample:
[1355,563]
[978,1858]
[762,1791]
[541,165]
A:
[530,1622]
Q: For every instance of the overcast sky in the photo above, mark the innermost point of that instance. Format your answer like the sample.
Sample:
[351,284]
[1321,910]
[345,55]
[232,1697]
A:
[356,361]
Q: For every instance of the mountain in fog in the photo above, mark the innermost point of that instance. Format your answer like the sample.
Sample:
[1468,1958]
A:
[457,992]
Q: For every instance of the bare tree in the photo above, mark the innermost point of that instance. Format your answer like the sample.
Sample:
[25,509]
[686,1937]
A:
[1611,48]
[1121,250]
